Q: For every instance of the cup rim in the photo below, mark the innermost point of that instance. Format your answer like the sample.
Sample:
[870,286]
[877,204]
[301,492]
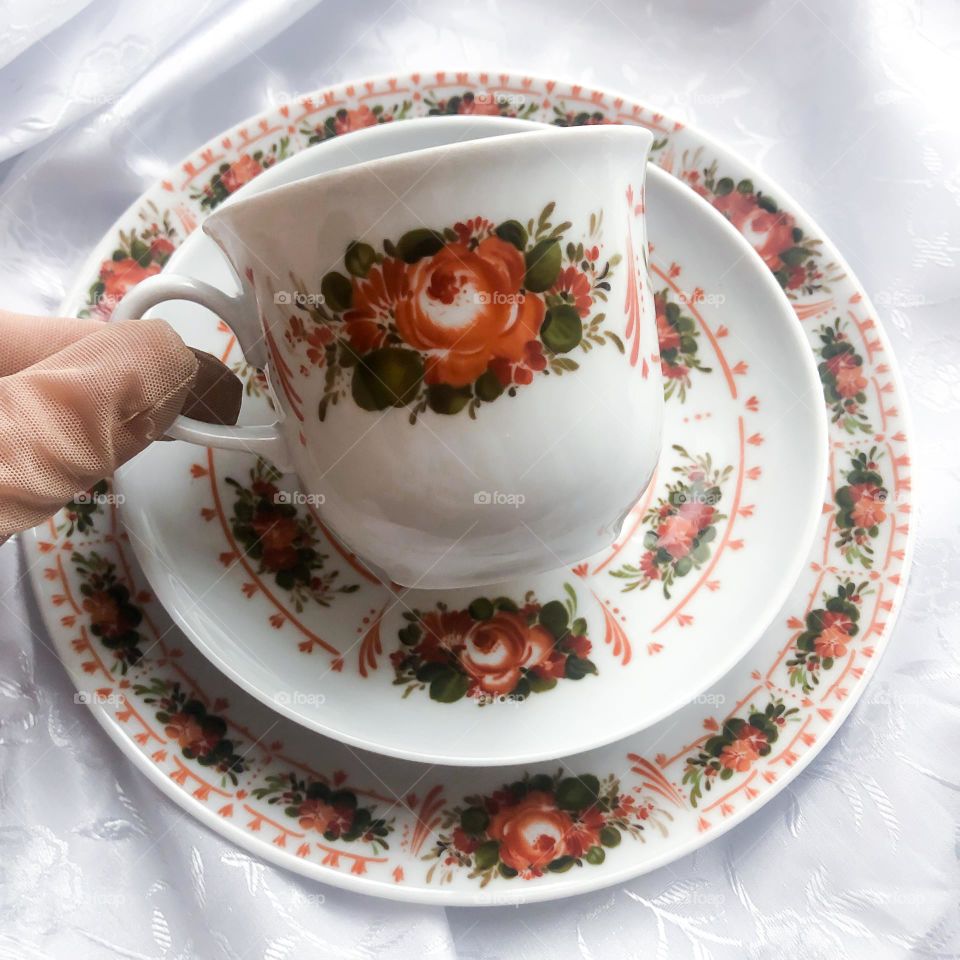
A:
[610,132]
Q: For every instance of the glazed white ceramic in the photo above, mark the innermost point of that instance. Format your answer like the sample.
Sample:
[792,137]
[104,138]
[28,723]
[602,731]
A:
[432,486]
[757,412]
[658,766]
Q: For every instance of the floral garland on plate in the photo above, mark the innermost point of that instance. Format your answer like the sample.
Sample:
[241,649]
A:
[494,649]
[518,827]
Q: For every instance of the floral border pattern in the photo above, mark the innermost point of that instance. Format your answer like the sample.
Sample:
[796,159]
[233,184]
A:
[679,527]
[743,737]
[282,540]
[494,649]
[679,339]
[540,824]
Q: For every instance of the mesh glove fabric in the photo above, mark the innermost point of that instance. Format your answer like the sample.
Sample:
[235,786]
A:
[80,397]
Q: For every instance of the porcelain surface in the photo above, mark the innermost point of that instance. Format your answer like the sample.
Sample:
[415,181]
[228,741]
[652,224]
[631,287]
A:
[405,831]
[536,666]
[460,339]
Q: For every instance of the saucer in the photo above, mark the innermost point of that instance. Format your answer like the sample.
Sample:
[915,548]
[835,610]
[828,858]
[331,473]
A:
[450,836]
[534,667]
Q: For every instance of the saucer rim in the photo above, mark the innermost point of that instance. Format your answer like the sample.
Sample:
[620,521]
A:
[790,566]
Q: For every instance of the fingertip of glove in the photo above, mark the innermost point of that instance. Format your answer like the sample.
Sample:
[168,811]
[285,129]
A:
[155,342]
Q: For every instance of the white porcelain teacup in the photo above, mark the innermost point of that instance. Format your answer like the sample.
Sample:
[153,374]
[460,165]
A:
[462,346]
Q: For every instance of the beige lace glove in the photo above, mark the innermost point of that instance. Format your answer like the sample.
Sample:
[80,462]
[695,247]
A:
[80,397]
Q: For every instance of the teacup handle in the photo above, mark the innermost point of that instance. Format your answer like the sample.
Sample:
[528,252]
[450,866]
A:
[266,441]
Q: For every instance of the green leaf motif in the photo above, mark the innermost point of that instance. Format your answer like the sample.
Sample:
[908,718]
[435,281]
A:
[337,291]
[388,377]
[416,244]
[577,793]
[542,266]
[359,258]
[562,328]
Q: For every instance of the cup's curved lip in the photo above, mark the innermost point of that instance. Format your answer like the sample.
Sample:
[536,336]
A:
[533,137]
[775,599]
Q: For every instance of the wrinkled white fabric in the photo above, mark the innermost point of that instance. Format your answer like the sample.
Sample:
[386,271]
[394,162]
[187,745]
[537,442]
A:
[26,23]
[851,108]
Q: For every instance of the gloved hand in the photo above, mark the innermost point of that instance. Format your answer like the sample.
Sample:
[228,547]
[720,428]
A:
[80,397]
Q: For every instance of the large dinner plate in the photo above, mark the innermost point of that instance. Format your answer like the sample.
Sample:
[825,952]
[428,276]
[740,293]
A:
[467,835]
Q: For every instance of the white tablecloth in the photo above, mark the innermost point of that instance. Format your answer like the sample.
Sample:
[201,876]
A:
[852,107]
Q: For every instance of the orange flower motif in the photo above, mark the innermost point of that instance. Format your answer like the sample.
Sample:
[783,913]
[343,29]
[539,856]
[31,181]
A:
[240,172]
[841,360]
[777,232]
[850,381]
[277,535]
[463,841]
[496,649]
[465,309]
[476,228]
[667,335]
[697,512]
[317,815]
[770,233]
[574,287]
[833,618]
[738,756]
[868,510]
[444,632]
[484,105]
[349,120]
[737,207]
[317,340]
[374,304]
[185,729]
[754,738]
[648,566]
[103,609]
[161,248]
[831,643]
[119,276]
[676,536]
[584,832]
[531,833]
